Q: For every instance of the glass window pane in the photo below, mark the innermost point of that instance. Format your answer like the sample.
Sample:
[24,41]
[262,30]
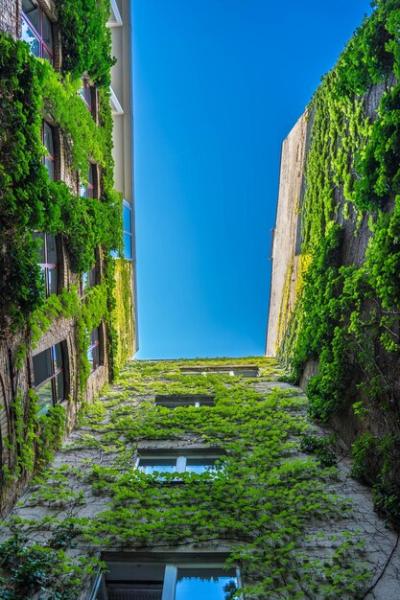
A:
[134,591]
[32,13]
[49,164]
[126,218]
[45,395]
[60,396]
[200,465]
[127,245]
[58,355]
[51,249]
[46,54]
[157,465]
[42,366]
[52,280]
[95,336]
[90,357]
[41,248]
[83,190]
[48,138]
[201,584]
[28,36]
[47,33]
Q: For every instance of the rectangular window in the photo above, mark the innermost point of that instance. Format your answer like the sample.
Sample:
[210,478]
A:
[48,261]
[127,229]
[88,94]
[183,578]
[37,30]
[176,400]
[93,352]
[233,371]
[199,462]
[89,189]
[88,279]
[48,375]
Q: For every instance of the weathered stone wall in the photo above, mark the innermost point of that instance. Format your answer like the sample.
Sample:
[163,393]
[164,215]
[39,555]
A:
[85,448]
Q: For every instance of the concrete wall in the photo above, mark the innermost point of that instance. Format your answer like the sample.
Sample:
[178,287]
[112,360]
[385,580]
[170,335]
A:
[284,259]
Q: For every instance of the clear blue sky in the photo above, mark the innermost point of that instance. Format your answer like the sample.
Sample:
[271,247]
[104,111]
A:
[218,84]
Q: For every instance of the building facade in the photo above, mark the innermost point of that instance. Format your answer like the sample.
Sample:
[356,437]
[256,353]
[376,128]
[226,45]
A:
[61,255]
[198,479]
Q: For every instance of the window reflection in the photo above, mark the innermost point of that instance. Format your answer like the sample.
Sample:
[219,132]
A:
[202,584]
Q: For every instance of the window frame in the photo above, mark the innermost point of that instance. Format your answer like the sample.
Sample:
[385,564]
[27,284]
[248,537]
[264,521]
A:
[181,458]
[91,187]
[170,564]
[176,401]
[43,46]
[95,345]
[55,372]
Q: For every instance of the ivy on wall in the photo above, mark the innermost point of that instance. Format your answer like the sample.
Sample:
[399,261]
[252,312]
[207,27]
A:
[31,91]
[261,501]
[347,318]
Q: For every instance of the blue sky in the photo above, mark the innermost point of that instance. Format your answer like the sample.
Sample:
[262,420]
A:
[218,84]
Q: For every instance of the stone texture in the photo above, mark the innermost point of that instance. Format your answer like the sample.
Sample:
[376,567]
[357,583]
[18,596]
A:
[381,548]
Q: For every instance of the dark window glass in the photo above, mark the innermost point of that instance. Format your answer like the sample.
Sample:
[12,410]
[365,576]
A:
[37,30]
[48,375]
[42,366]
[48,261]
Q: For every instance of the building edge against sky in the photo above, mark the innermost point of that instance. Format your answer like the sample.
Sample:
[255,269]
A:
[120,24]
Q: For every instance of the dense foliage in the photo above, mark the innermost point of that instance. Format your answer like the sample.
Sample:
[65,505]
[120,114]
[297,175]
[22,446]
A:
[347,317]
[266,501]
[32,91]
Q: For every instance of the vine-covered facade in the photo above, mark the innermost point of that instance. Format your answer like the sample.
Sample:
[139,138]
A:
[61,227]
[198,479]
[342,337]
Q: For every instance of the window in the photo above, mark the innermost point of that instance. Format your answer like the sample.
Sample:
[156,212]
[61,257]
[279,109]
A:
[88,94]
[93,352]
[177,578]
[192,461]
[48,261]
[233,371]
[173,401]
[48,142]
[37,30]
[127,227]
[88,190]
[88,279]
[48,375]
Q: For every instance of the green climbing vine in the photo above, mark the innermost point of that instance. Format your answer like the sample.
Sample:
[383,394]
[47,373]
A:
[347,318]
[260,501]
